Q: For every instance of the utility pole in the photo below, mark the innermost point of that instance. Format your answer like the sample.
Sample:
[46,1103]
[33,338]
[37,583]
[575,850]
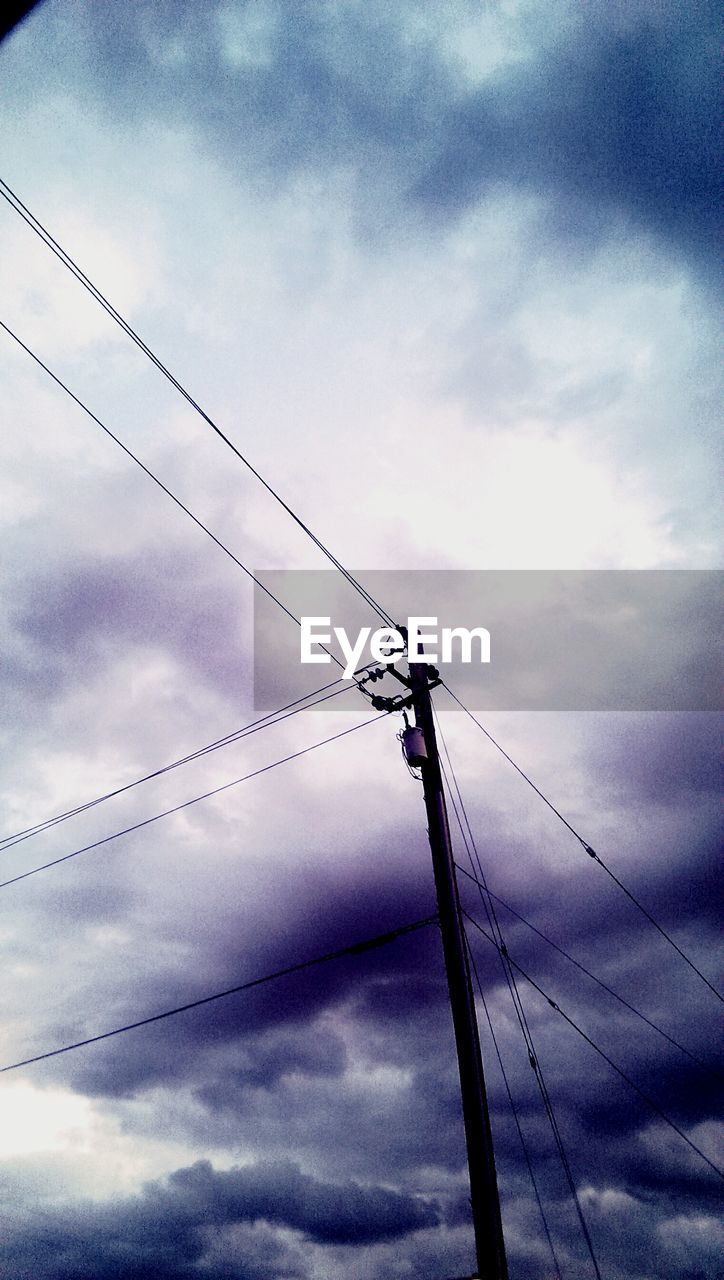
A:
[420,747]
[489,1243]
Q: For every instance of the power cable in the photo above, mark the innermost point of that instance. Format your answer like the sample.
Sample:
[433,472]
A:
[137,826]
[273,718]
[513,1108]
[356,948]
[604,985]
[35,225]
[94,418]
[585,845]
[619,1070]
[518,1006]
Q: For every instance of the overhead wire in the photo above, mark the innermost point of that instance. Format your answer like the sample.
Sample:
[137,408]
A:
[586,846]
[355,948]
[518,1006]
[152,476]
[37,227]
[146,822]
[566,954]
[272,718]
[513,1108]
[615,1067]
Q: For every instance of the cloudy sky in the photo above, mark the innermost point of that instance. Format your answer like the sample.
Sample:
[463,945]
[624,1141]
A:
[447,274]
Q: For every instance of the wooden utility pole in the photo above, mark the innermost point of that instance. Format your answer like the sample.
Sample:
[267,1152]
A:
[489,1243]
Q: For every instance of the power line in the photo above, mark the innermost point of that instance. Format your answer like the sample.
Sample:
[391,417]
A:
[137,826]
[35,225]
[356,948]
[520,1014]
[513,1108]
[619,1070]
[264,722]
[585,845]
[273,718]
[604,985]
[94,418]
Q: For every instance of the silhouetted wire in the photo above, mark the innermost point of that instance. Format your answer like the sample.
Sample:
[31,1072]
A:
[355,948]
[129,453]
[513,1108]
[585,845]
[520,1013]
[137,826]
[604,985]
[619,1071]
[272,718]
[528,1041]
[35,225]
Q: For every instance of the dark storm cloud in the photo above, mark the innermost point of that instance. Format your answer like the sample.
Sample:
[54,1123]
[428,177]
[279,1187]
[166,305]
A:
[611,115]
[253,1040]
[246,1056]
[607,121]
[164,1232]
[281,1193]
[248,1065]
